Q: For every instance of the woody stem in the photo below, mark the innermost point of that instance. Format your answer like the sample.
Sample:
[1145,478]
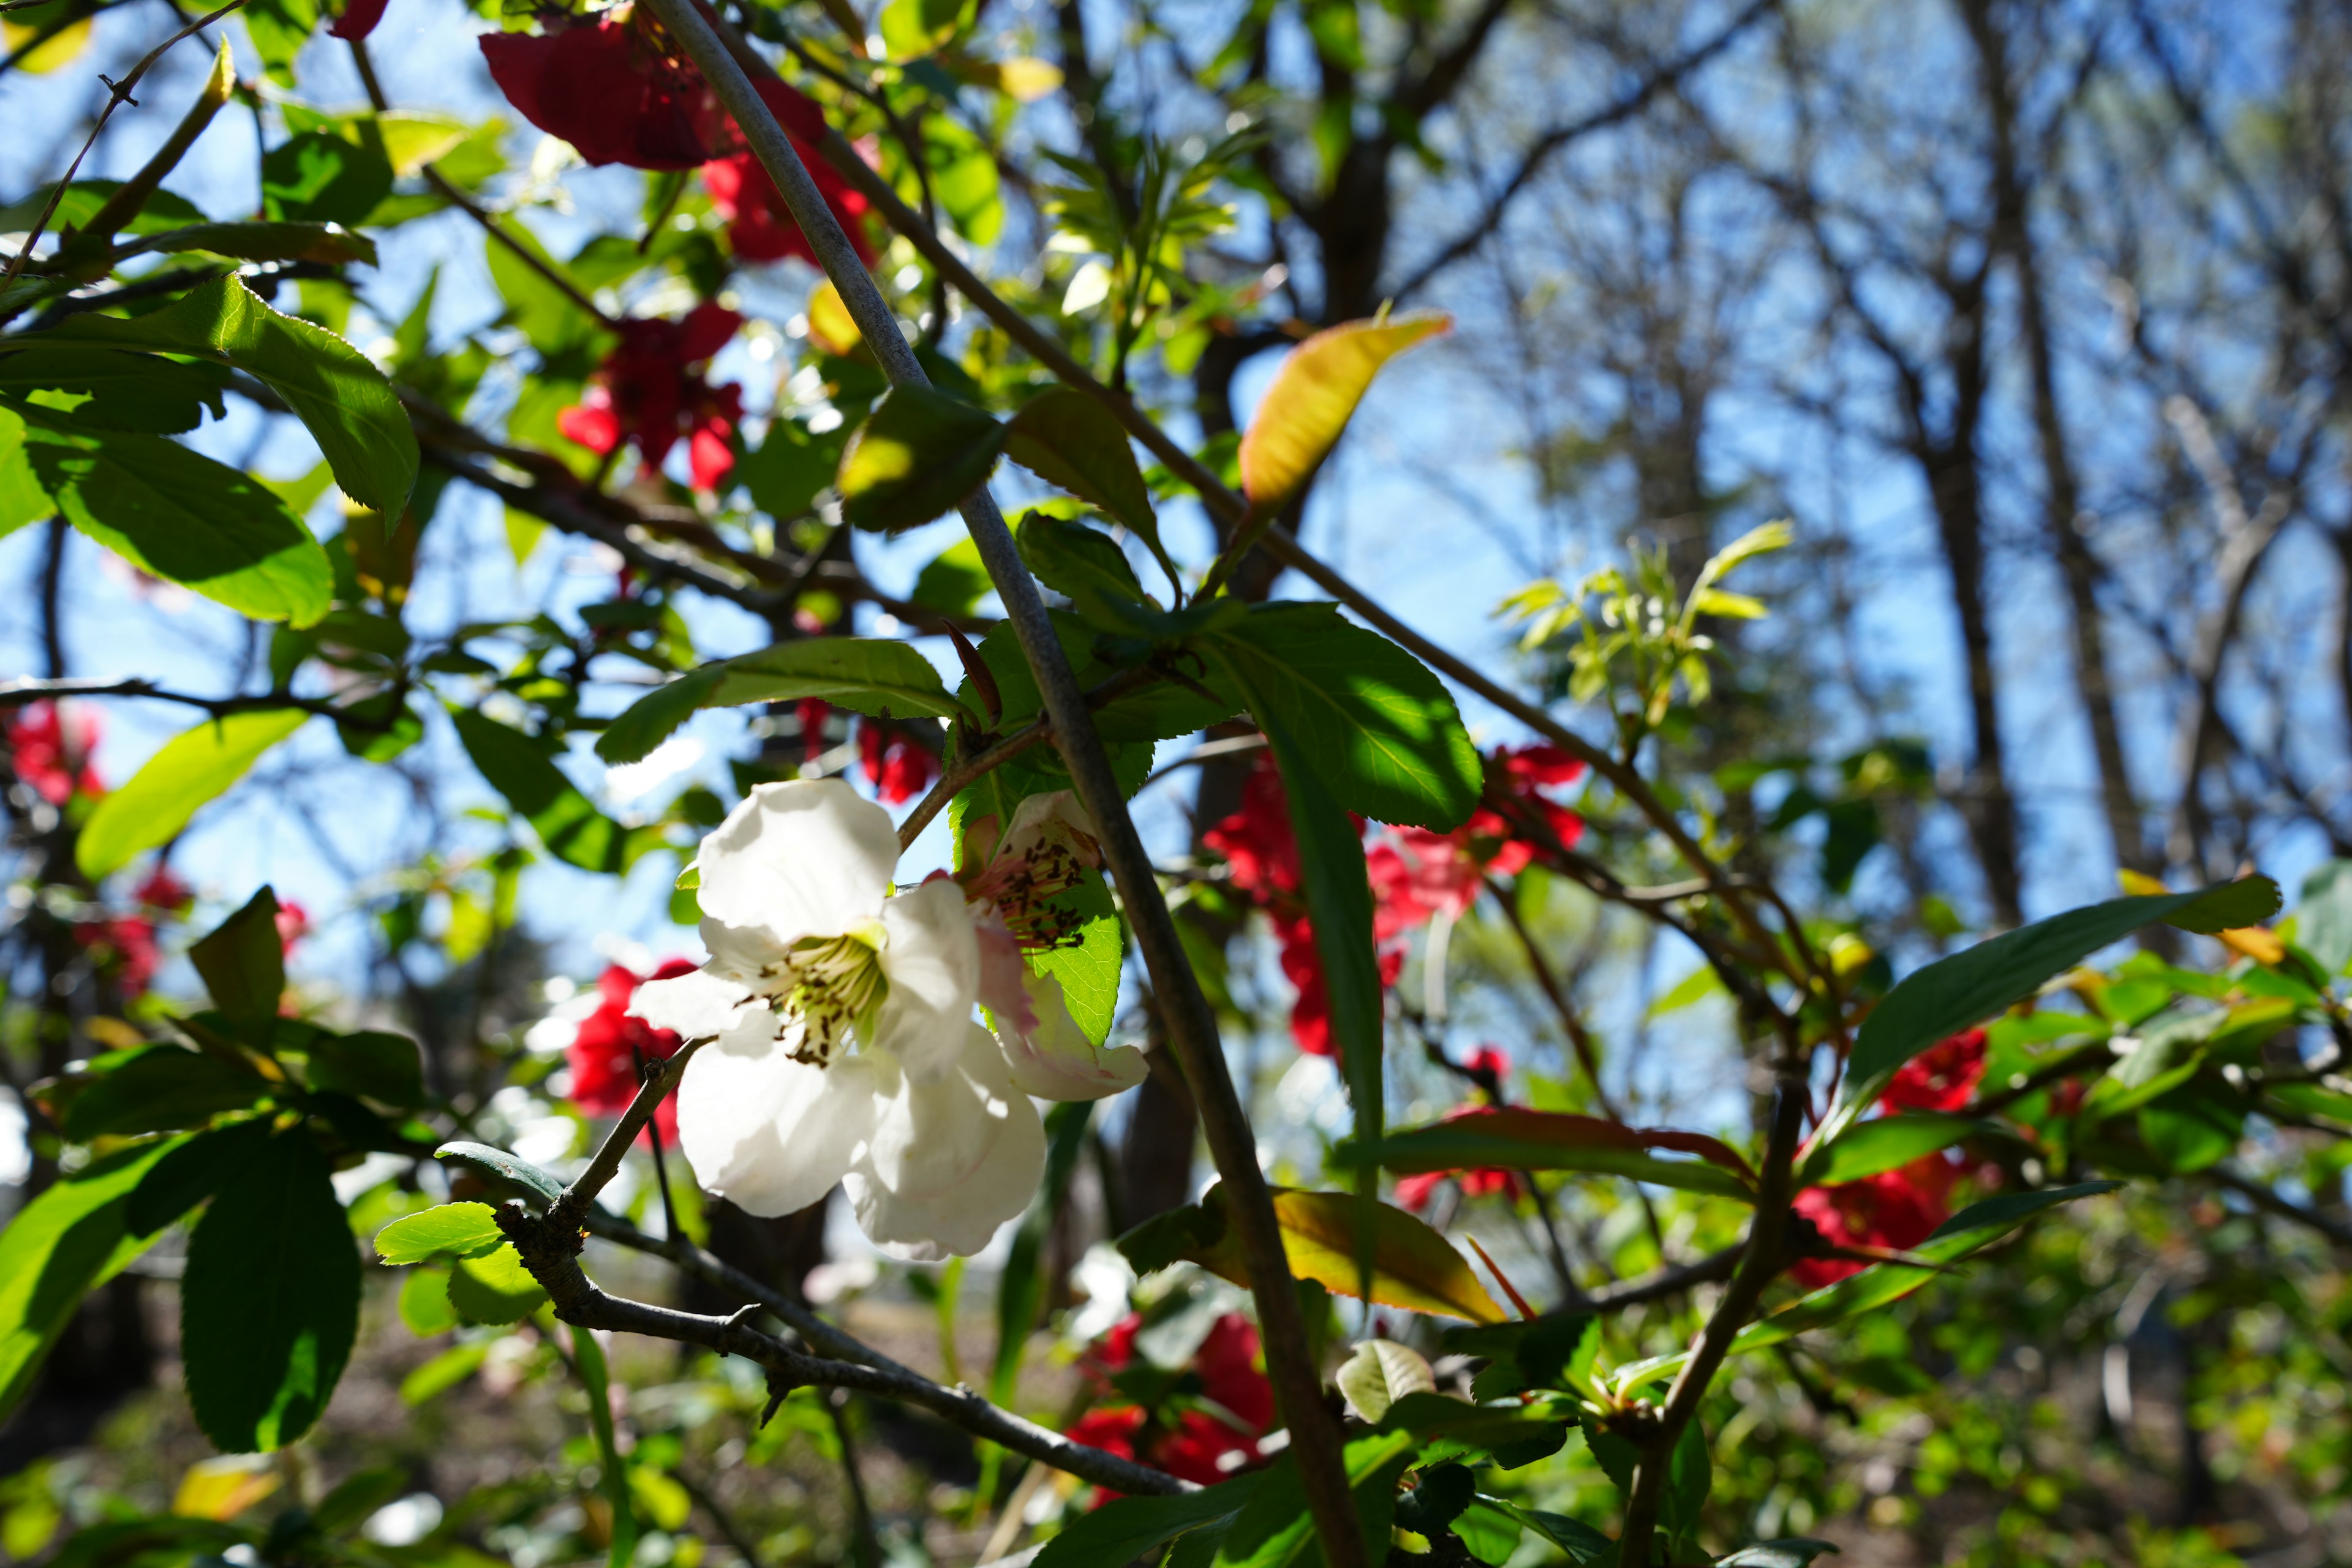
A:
[1192,1026]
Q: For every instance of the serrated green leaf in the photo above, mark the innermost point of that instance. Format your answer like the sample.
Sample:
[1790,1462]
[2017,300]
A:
[57,1249]
[494,1287]
[446,1230]
[566,821]
[1376,727]
[381,1066]
[180,516]
[1128,1528]
[504,1167]
[867,674]
[917,455]
[159,1090]
[1867,1148]
[269,1304]
[194,767]
[1074,443]
[243,964]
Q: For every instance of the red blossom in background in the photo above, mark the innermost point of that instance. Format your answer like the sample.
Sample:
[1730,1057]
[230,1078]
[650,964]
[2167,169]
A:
[1197,1445]
[760,227]
[610,89]
[358,20]
[163,893]
[1897,1209]
[652,391]
[812,711]
[293,925]
[50,746]
[605,1051]
[1487,1067]
[1941,1077]
[127,944]
[898,769]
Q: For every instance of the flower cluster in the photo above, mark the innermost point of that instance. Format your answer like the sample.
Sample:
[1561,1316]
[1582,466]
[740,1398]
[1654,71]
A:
[1416,874]
[653,390]
[609,1051]
[897,767]
[842,1046]
[126,945]
[1205,1430]
[1898,1209]
[619,92]
[51,747]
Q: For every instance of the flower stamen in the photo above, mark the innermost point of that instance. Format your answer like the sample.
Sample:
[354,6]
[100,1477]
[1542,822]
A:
[826,990]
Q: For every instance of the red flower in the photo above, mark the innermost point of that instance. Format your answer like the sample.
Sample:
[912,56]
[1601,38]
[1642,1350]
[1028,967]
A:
[1898,1209]
[293,924]
[605,1053]
[1941,1077]
[761,227]
[127,944]
[1204,1438]
[812,712]
[164,892]
[649,393]
[358,20]
[898,768]
[1257,840]
[611,89]
[50,746]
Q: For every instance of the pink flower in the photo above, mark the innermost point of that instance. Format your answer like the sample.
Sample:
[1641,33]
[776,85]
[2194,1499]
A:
[293,925]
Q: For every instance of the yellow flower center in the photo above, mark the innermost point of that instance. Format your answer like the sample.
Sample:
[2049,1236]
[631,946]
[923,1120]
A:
[826,990]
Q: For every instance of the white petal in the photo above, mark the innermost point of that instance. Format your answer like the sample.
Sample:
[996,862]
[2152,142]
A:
[1003,973]
[696,1004]
[740,953]
[1055,817]
[1055,1060]
[770,1135]
[932,959]
[951,1160]
[807,857]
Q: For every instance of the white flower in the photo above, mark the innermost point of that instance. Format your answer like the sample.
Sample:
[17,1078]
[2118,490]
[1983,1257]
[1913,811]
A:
[842,1042]
[1045,852]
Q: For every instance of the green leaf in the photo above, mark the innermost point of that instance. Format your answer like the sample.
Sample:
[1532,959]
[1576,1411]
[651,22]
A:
[1313,396]
[270,1302]
[446,1230]
[60,1246]
[326,244]
[381,1066]
[588,1356]
[1274,1528]
[791,467]
[1585,1546]
[323,176]
[1083,565]
[160,1090]
[875,676]
[82,200]
[1128,1528]
[243,963]
[22,498]
[1412,1266]
[953,581]
[1380,1373]
[918,454]
[2323,916]
[1956,993]
[963,171]
[1516,1138]
[566,821]
[181,516]
[190,1173]
[195,766]
[1867,1148]
[337,391]
[1690,1474]
[502,1166]
[494,1287]
[424,1307]
[132,392]
[1378,728]
[1338,891]
[1795,1552]
[1074,443]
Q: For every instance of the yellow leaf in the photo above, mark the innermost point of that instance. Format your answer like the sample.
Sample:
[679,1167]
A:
[1314,395]
[413,137]
[223,1487]
[1027,79]
[60,50]
[830,325]
[1731,606]
[2257,942]
[1412,1266]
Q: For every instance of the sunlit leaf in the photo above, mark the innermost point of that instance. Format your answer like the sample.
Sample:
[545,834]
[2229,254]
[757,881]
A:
[195,766]
[1313,396]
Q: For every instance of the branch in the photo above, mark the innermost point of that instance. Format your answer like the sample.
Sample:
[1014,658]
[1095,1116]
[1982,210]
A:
[1192,1026]
[1540,151]
[1667,1282]
[16,693]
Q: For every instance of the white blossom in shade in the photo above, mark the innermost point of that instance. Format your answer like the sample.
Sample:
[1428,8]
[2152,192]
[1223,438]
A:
[1045,852]
[842,1046]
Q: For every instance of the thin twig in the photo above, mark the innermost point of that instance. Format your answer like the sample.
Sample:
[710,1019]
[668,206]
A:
[118,95]
[16,693]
